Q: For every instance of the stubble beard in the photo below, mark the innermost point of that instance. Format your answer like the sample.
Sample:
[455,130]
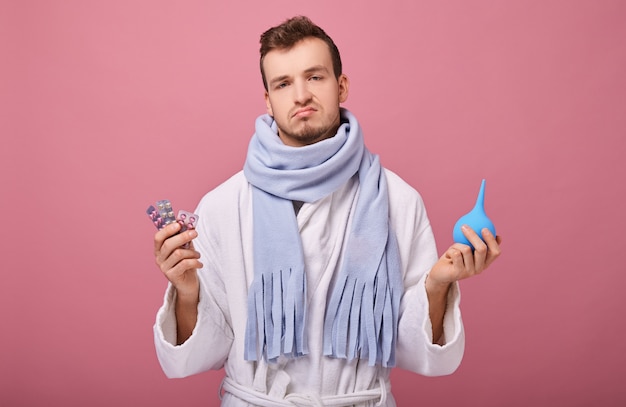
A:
[309,134]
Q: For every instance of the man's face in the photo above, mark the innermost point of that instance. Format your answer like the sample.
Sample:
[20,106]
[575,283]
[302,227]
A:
[303,94]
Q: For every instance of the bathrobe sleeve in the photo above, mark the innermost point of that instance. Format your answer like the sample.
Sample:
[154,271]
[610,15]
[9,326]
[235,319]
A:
[206,348]
[415,350]
[210,342]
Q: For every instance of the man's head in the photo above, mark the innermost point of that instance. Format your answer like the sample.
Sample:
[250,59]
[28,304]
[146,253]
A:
[292,31]
[303,81]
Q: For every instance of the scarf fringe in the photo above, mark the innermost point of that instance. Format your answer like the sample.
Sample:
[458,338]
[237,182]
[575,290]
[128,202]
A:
[361,320]
[277,299]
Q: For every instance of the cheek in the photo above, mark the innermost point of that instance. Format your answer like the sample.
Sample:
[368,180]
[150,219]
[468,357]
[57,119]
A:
[278,107]
[331,97]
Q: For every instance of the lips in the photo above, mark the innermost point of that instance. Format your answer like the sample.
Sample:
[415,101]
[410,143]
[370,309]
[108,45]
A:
[304,112]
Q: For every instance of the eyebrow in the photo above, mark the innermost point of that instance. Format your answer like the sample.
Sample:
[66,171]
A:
[313,69]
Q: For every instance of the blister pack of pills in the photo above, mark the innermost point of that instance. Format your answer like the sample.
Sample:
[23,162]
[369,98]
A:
[162,215]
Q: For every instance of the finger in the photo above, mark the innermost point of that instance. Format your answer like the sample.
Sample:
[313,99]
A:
[458,263]
[182,260]
[181,239]
[479,255]
[174,242]
[163,234]
[493,246]
[180,275]
[191,246]
[467,250]
[177,257]
[471,235]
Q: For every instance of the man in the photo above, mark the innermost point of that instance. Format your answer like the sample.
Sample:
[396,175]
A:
[314,270]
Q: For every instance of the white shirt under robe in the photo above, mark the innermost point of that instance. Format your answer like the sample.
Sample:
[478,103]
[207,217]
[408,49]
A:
[225,243]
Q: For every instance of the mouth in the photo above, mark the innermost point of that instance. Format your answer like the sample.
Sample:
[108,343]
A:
[304,112]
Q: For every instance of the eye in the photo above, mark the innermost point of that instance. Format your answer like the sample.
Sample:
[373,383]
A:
[281,85]
[315,78]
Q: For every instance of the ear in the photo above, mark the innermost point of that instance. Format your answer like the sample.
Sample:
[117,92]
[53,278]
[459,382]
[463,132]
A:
[344,87]
[268,104]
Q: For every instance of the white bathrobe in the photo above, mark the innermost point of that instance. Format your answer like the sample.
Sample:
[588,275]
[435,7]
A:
[225,244]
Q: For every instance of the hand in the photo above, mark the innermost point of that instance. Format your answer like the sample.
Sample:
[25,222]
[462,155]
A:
[460,261]
[179,265]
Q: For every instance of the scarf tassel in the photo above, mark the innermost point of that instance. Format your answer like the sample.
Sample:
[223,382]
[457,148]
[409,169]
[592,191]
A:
[352,331]
[277,301]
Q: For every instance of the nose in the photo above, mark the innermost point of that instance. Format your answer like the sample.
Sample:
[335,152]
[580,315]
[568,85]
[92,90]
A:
[302,94]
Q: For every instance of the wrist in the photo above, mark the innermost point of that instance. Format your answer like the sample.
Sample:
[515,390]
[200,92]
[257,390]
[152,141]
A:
[436,287]
[187,297]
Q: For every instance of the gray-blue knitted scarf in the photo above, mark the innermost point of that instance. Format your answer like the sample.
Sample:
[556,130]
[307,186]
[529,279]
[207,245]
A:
[361,317]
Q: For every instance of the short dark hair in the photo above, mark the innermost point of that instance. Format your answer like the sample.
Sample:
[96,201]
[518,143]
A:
[292,31]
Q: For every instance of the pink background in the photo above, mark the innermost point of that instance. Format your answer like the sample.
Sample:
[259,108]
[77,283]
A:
[108,106]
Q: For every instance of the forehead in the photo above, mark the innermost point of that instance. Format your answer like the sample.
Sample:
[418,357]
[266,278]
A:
[305,54]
